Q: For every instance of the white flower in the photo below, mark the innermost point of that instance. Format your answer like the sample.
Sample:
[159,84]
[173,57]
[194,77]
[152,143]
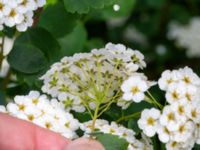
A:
[113,128]
[189,77]
[163,134]
[168,77]
[180,109]
[2,109]
[3,9]
[47,121]
[32,113]
[25,5]
[193,112]
[123,104]
[134,88]
[169,118]
[172,145]
[13,16]
[131,68]
[175,92]
[149,121]
[27,22]
[186,36]
[184,133]
[15,109]
[197,134]
[71,102]
[40,3]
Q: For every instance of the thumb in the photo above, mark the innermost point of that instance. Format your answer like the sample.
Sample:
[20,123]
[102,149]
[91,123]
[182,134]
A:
[84,144]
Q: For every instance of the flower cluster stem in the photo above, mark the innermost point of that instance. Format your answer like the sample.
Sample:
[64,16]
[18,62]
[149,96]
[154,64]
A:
[152,100]
[134,115]
[95,116]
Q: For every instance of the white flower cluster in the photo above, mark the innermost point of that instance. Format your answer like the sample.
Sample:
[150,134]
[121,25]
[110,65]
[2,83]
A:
[39,110]
[103,126]
[18,13]
[179,123]
[187,36]
[87,78]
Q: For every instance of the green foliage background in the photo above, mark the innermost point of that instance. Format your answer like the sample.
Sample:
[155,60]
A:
[65,27]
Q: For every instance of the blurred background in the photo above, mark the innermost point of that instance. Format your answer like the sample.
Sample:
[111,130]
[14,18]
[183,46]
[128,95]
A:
[167,32]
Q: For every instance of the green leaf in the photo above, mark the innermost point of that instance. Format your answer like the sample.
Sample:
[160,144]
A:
[196,147]
[112,142]
[155,3]
[26,58]
[113,113]
[83,6]
[43,40]
[50,2]
[45,47]
[94,43]
[73,42]
[180,14]
[132,124]
[57,20]
[156,143]
[82,117]
[137,107]
[9,32]
[2,97]
[163,146]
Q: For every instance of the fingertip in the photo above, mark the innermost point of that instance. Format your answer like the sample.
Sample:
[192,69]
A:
[85,144]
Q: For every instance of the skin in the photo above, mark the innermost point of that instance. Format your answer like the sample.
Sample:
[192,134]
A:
[16,134]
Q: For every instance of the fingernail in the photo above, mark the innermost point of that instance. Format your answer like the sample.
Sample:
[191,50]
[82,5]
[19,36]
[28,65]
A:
[84,144]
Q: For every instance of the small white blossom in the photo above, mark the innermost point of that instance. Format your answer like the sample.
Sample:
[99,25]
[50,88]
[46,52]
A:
[149,121]
[134,88]
[184,133]
[169,118]
[163,134]
[168,77]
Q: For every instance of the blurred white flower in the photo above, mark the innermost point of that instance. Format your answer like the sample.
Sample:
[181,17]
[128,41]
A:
[187,36]
[161,49]
[2,109]
[133,35]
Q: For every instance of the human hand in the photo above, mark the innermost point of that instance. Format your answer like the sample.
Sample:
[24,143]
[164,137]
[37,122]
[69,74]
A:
[16,134]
